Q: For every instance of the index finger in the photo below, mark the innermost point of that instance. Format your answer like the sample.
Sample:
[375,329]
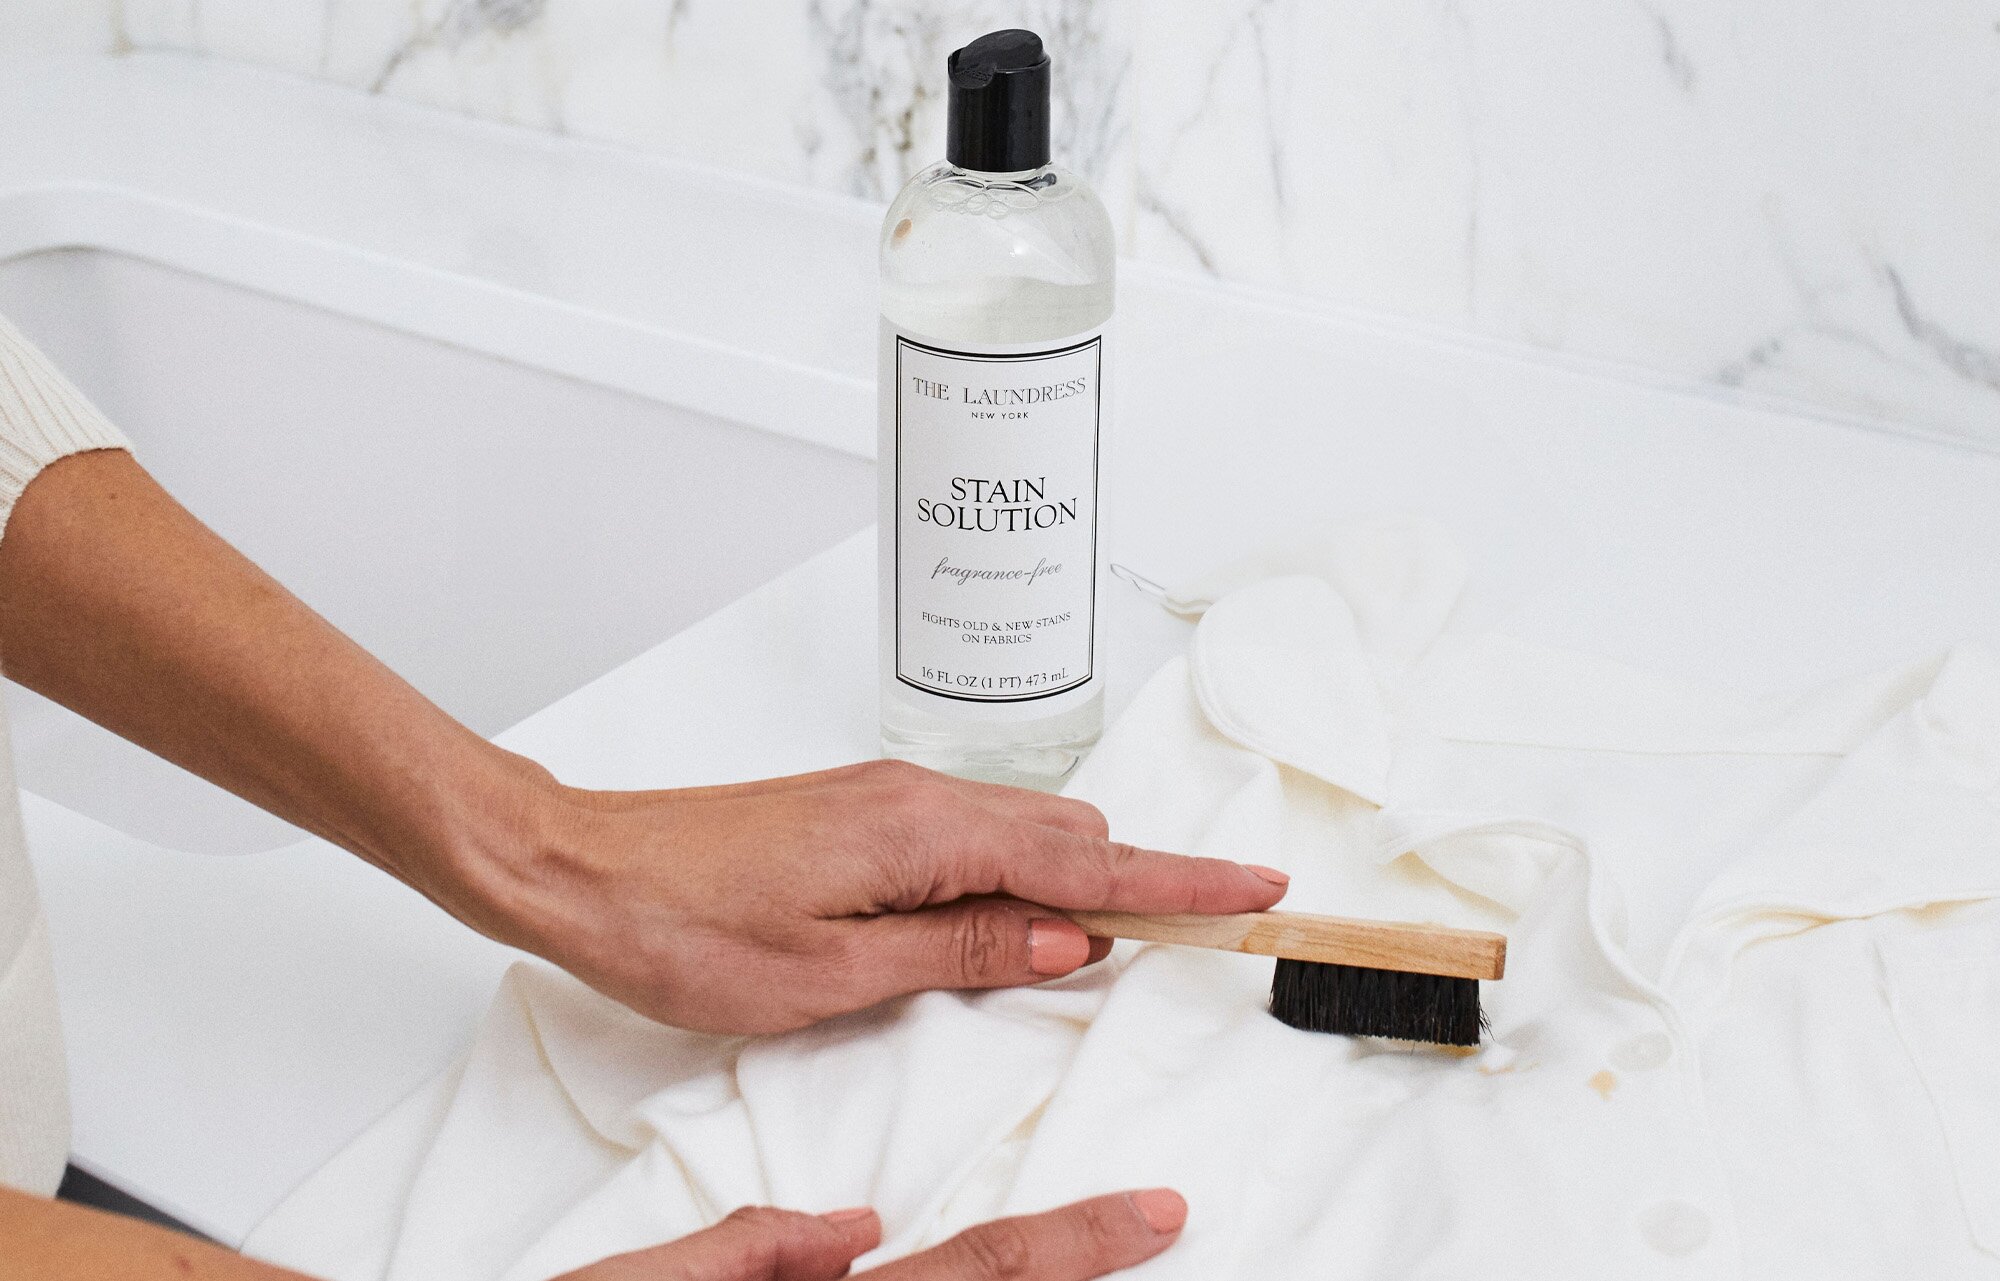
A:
[1061,869]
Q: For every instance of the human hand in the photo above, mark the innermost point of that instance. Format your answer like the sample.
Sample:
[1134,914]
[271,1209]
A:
[766,906]
[1088,1239]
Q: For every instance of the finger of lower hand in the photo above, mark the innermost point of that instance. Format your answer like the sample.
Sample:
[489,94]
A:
[1088,1239]
[752,1244]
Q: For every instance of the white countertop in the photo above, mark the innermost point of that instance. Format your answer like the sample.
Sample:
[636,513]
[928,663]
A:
[233,1022]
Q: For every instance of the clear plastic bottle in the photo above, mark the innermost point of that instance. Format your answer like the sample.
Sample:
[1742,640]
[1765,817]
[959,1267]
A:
[997,280]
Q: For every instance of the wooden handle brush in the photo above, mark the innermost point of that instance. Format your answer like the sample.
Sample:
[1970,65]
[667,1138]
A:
[1335,974]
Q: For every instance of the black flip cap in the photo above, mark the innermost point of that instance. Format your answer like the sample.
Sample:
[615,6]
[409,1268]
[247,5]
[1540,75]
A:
[998,117]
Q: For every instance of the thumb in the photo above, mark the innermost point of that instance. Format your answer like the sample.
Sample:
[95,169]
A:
[973,943]
[752,1244]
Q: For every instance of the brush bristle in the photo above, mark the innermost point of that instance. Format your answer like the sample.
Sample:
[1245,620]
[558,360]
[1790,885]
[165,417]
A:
[1355,1001]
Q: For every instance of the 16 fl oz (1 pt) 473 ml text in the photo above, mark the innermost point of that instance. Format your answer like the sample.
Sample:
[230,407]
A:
[972,682]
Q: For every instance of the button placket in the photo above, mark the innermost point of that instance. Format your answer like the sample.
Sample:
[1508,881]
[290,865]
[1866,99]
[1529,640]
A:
[1683,1219]
[1683,1216]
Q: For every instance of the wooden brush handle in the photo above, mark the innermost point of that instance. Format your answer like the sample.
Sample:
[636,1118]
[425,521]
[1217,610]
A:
[1334,940]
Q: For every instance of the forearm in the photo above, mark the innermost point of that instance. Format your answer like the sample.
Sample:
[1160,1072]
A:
[42,1240]
[748,908]
[117,603]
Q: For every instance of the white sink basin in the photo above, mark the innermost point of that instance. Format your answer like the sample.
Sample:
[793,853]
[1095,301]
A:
[498,535]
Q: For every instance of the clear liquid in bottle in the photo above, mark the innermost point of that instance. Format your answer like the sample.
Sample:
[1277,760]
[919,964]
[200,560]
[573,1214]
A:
[997,289]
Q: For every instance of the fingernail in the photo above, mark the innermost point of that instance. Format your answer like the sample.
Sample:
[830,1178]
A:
[1162,1208]
[1056,947]
[1271,874]
[854,1215]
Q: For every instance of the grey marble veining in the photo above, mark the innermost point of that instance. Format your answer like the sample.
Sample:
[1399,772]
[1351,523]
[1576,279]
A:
[1791,199]
[1974,362]
[460,22]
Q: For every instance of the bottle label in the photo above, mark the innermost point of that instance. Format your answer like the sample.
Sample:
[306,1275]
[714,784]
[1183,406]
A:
[995,456]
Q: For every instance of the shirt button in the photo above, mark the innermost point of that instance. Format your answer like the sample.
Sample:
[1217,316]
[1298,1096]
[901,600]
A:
[1643,1052]
[1674,1227]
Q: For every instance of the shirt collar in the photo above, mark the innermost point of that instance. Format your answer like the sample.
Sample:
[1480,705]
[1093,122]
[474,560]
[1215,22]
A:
[1329,677]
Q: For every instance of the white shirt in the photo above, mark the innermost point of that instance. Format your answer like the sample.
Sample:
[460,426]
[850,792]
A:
[1749,1027]
[42,418]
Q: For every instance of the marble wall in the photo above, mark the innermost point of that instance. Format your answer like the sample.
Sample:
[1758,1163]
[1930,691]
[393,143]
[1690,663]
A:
[1794,198]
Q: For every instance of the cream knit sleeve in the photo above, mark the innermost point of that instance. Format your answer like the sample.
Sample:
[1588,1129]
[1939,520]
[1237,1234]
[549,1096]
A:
[42,418]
